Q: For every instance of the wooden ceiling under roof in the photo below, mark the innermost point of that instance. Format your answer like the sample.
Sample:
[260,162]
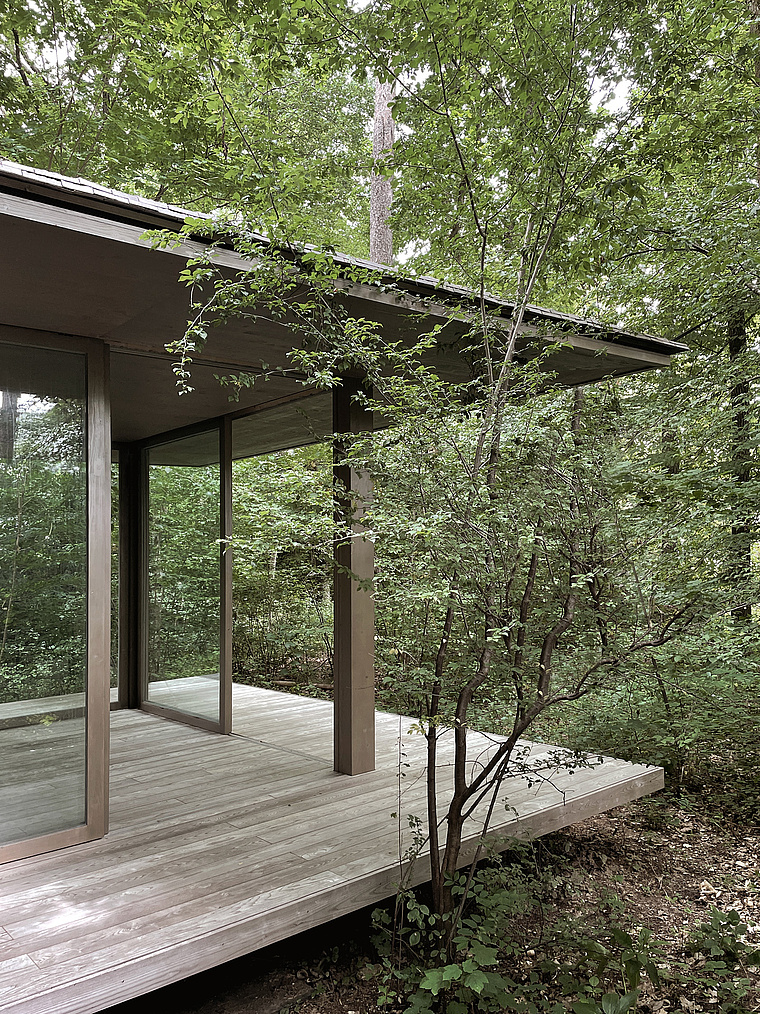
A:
[74,261]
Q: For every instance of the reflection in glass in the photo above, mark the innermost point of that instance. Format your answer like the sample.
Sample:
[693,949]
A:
[183,575]
[43,592]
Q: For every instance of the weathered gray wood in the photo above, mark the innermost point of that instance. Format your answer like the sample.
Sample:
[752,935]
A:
[354,607]
[221,845]
[98,586]
[16,714]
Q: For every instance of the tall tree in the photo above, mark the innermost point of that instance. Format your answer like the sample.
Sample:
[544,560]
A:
[380,235]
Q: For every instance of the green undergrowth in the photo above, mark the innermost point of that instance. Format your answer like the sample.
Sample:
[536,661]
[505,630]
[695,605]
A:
[692,709]
[521,945]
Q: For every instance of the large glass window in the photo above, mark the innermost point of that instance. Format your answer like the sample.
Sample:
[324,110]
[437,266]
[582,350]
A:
[183,575]
[43,592]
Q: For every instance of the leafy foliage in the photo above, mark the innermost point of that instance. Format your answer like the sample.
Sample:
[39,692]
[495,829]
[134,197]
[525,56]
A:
[183,571]
[193,103]
[283,568]
[507,957]
[533,549]
[43,551]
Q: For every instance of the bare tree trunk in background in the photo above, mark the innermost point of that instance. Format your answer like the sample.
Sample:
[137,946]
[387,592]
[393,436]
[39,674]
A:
[741,456]
[8,403]
[380,235]
[740,397]
[754,13]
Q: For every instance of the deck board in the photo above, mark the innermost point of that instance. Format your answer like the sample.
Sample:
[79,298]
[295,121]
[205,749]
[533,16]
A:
[221,845]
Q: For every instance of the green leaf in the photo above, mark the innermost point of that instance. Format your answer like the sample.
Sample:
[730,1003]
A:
[484,956]
[432,980]
[451,973]
[476,981]
[614,1004]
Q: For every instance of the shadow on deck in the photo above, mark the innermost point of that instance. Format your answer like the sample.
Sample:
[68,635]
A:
[221,845]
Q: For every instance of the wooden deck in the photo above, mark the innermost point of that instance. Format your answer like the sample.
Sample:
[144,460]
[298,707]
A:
[221,845]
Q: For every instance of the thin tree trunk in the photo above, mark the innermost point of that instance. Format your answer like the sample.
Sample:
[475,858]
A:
[8,415]
[739,393]
[9,603]
[741,461]
[433,709]
[380,235]
[754,13]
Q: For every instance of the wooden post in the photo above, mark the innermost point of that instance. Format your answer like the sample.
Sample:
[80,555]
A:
[225,577]
[142,552]
[354,607]
[98,587]
[130,490]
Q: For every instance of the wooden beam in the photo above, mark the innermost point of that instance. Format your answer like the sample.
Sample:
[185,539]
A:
[142,553]
[354,607]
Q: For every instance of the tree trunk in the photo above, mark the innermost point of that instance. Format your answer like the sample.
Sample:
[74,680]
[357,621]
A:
[8,413]
[380,235]
[754,13]
[741,463]
[739,394]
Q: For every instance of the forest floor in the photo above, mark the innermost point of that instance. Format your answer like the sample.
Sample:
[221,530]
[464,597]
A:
[653,864]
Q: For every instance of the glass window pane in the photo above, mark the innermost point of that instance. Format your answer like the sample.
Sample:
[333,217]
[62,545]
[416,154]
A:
[183,575]
[43,591]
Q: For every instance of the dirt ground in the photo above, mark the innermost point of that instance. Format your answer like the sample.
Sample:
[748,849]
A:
[653,864]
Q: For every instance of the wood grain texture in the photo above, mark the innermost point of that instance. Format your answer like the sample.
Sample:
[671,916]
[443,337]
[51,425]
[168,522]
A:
[221,845]
[354,604]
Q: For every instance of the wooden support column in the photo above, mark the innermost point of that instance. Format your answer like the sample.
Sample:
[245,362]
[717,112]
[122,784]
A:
[225,577]
[98,587]
[354,615]
[130,492]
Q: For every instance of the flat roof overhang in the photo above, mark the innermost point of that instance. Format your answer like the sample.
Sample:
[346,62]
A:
[75,262]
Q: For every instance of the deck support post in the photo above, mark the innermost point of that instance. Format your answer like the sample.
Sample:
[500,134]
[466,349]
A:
[225,577]
[130,491]
[354,607]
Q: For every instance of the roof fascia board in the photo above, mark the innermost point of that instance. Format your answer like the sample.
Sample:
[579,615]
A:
[599,346]
[89,222]
[105,228]
[132,235]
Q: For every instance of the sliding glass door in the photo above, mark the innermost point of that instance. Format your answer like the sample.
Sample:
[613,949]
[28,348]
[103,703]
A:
[53,528]
[186,669]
